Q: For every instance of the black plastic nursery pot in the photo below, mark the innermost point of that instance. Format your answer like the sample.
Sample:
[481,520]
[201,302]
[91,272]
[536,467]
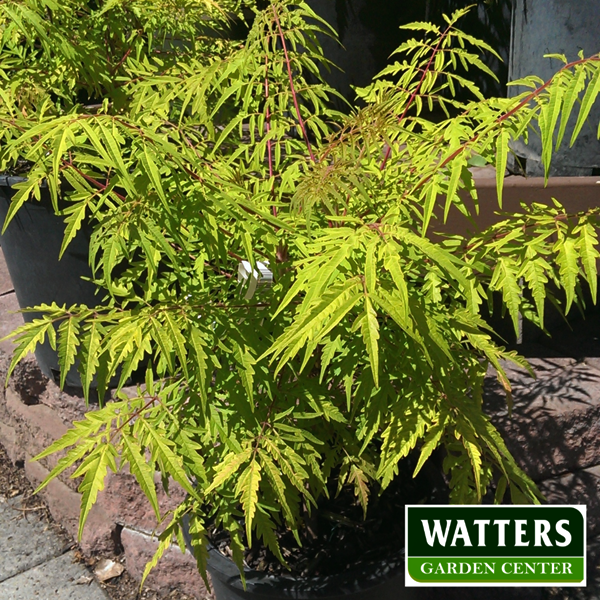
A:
[382,580]
[31,246]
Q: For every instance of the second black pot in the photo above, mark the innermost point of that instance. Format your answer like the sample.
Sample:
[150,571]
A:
[370,581]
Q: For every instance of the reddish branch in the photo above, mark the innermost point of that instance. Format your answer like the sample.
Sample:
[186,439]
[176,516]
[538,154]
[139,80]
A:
[268,118]
[561,217]
[101,186]
[503,118]
[120,63]
[137,413]
[388,151]
[292,87]
[535,92]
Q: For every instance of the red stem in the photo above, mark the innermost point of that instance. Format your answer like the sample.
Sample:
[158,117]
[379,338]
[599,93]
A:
[292,88]
[269,149]
[135,415]
[101,186]
[561,217]
[388,151]
[507,115]
[535,92]
[268,117]
[118,66]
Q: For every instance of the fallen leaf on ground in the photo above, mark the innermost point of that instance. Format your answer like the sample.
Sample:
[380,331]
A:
[108,569]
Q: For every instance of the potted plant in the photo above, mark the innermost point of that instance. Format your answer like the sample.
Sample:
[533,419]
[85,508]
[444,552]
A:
[364,359]
[59,60]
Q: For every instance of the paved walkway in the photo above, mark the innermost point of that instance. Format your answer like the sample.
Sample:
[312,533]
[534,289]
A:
[35,562]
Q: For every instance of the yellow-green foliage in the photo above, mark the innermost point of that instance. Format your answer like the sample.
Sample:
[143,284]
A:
[369,343]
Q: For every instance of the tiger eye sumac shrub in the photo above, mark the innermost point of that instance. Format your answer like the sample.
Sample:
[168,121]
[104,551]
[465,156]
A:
[369,343]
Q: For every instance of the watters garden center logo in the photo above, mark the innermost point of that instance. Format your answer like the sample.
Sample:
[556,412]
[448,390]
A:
[495,546]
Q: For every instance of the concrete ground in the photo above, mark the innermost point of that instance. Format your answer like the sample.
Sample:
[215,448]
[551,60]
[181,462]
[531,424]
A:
[35,561]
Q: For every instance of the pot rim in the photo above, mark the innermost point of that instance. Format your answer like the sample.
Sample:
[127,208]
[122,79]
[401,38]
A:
[10,180]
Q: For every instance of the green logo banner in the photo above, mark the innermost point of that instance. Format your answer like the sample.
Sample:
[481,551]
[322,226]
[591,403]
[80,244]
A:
[495,546]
